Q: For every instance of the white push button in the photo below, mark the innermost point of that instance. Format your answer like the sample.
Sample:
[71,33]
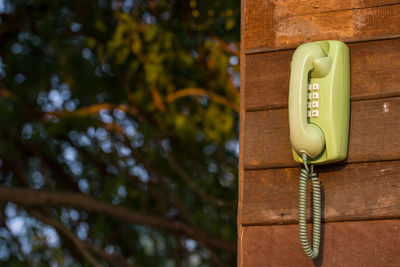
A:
[308,104]
[308,113]
[315,104]
[309,96]
[315,113]
[315,95]
[309,87]
[315,86]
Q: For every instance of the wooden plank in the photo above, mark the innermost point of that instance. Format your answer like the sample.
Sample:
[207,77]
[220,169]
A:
[285,8]
[362,191]
[375,72]
[241,131]
[276,25]
[367,244]
[374,135]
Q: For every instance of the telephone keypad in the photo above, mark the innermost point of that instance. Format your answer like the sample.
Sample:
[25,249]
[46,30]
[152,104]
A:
[309,87]
[313,100]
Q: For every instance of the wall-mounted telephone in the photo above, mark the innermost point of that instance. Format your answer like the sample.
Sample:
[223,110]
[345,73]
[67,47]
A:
[319,111]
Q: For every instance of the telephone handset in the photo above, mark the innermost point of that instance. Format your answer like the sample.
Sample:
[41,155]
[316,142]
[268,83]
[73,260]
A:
[319,101]
[319,112]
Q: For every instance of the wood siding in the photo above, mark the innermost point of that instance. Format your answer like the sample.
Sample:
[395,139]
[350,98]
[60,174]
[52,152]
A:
[361,196]
[277,25]
[374,134]
[363,243]
[372,76]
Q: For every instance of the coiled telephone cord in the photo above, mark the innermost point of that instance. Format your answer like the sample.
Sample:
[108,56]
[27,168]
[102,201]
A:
[316,191]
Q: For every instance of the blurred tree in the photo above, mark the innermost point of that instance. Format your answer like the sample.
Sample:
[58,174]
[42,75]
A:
[118,127]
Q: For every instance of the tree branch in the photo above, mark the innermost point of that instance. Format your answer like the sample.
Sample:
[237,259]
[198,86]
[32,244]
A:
[82,246]
[191,183]
[201,92]
[34,198]
[181,172]
[69,244]
[25,258]
[65,231]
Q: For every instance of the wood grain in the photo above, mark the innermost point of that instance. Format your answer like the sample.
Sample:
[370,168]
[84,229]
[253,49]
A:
[375,72]
[241,132]
[276,25]
[367,244]
[363,191]
[374,135]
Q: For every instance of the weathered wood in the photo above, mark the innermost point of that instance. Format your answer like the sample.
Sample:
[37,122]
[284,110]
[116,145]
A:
[375,72]
[362,191]
[285,8]
[241,133]
[367,189]
[368,243]
[374,135]
[276,25]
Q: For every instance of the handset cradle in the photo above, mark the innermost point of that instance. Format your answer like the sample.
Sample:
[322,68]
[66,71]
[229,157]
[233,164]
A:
[320,75]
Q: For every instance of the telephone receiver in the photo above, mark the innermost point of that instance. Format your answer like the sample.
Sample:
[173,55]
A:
[319,112]
[319,101]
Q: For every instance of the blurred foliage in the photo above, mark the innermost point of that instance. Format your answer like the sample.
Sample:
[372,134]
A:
[132,102]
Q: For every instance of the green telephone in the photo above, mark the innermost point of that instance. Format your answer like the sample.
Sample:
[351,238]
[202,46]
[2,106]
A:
[319,112]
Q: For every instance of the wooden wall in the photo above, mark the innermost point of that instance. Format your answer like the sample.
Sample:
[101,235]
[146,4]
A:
[361,197]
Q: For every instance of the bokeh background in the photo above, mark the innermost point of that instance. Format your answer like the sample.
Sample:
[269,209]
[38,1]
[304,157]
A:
[118,132]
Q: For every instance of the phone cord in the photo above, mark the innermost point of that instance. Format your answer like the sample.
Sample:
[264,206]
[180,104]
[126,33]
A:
[316,191]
